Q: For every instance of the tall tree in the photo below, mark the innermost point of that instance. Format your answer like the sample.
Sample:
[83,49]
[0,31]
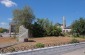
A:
[38,30]
[23,16]
[46,24]
[44,27]
[79,26]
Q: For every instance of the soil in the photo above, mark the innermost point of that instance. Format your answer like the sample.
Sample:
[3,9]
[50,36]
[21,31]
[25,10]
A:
[48,41]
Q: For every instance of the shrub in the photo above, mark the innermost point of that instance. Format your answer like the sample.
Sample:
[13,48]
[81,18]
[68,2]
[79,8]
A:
[12,49]
[76,35]
[82,36]
[8,49]
[39,45]
[74,41]
[62,34]
[78,26]
[38,30]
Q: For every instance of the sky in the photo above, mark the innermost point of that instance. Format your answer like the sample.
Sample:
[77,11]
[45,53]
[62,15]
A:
[54,10]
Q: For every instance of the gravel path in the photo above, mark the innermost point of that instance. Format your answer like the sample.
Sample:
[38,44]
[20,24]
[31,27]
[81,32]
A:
[76,52]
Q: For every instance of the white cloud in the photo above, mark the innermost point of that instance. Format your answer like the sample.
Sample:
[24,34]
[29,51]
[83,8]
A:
[10,19]
[3,23]
[8,3]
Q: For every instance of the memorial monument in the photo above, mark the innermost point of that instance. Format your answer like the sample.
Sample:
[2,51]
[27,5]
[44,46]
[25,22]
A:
[23,34]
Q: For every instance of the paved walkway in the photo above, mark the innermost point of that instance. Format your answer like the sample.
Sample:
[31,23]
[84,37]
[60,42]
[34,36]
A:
[76,52]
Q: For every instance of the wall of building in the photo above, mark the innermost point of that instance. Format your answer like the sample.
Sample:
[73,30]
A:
[55,50]
[66,30]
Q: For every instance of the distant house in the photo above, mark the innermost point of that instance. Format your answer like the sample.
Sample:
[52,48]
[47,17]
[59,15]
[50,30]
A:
[63,26]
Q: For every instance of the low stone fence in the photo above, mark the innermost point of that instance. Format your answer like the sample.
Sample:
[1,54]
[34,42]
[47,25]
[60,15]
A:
[55,50]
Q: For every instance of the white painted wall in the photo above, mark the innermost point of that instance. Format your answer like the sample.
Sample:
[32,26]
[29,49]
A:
[66,30]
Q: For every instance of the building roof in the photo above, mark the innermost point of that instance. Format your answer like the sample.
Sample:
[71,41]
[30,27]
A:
[58,24]
[69,27]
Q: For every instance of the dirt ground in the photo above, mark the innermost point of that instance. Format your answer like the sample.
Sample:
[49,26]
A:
[4,40]
[48,41]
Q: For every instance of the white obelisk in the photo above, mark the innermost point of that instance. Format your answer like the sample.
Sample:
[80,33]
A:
[64,22]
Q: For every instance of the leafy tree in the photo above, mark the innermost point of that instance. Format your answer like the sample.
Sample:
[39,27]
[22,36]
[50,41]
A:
[79,26]
[55,31]
[58,24]
[38,30]
[59,30]
[43,27]
[46,24]
[23,16]
[3,30]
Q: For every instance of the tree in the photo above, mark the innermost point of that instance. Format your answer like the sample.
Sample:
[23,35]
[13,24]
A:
[38,30]
[23,16]
[78,26]
[55,30]
[46,24]
[43,27]
[3,30]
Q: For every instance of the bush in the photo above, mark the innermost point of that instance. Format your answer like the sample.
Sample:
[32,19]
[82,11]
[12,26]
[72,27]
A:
[78,26]
[39,45]
[12,49]
[62,34]
[37,30]
[76,35]
[43,27]
[74,41]
[55,31]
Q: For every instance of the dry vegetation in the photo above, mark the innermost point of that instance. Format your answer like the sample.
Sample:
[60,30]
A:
[48,41]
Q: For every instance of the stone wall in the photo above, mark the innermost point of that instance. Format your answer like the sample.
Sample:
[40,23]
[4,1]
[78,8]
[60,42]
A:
[55,50]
